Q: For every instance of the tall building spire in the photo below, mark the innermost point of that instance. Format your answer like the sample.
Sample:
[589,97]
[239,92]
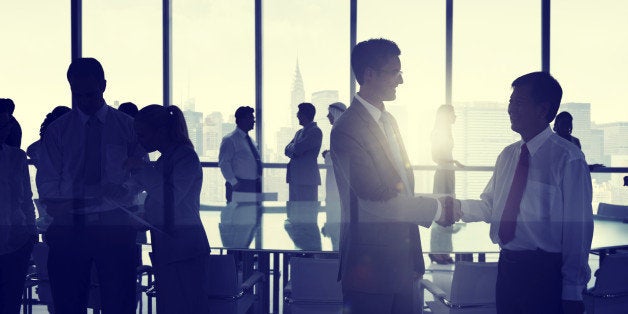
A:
[297,95]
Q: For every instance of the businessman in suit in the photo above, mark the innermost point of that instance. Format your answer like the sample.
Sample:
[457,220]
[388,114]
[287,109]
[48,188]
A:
[380,249]
[303,176]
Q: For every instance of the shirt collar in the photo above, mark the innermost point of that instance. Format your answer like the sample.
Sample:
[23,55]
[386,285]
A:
[535,143]
[101,114]
[372,110]
[309,125]
[240,132]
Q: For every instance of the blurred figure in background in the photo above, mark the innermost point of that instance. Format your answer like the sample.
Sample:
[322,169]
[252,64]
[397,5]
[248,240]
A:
[17,219]
[34,150]
[173,183]
[444,179]
[563,126]
[14,136]
[128,108]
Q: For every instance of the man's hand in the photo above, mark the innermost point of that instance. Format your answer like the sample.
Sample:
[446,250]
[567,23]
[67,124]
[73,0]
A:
[451,211]
[573,307]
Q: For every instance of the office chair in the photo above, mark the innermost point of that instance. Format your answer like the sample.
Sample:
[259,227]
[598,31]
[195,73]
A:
[313,286]
[610,292]
[471,290]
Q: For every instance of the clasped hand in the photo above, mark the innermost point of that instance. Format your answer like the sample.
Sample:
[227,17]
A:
[451,211]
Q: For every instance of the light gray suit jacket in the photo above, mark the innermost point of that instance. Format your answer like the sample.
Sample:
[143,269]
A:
[303,151]
[380,247]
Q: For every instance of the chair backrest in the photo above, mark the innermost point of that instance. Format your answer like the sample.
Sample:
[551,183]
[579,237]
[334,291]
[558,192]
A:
[224,276]
[612,211]
[473,283]
[612,277]
[314,279]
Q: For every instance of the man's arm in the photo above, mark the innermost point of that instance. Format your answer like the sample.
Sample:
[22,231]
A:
[577,229]
[225,160]
[480,210]
[50,166]
[289,150]
[26,199]
[312,139]
[378,201]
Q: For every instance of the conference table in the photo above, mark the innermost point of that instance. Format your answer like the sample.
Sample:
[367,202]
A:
[274,231]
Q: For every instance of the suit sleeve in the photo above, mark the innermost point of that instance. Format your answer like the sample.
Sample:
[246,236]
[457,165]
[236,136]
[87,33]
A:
[225,160]
[50,166]
[310,140]
[378,202]
[577,229]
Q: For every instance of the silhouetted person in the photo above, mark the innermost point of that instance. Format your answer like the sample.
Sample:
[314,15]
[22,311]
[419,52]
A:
[173,184]
[80,180]
[239,158]
[332,199]
[128,108]
[563,126]
[34,150]
[444,179]
[17,219]
[302,174]
[380,247]
[14,138]
[538,203]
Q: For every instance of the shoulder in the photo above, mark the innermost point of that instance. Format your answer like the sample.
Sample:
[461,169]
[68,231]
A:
[185,153]
[119,116]
[560,147]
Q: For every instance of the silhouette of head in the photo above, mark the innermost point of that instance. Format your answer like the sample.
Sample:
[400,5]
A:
[6,108]
[7,105]
[534,103]
[159,128]
[87,82]
[128,108]
[244,118]
[306,113]
[445,115]
[377,68]
[57,112]
[335,110]
[563,124]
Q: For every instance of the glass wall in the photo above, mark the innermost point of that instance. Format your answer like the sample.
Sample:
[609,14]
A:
[125,36]
[494,42]
[34,58]
[588,53]
[306,59]
[213,65]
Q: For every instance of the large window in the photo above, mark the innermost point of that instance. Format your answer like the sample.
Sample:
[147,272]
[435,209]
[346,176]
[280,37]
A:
[306,59]
[34,59]
[494,42]
[126,37]
[418,28]
[588,55]
[213,62]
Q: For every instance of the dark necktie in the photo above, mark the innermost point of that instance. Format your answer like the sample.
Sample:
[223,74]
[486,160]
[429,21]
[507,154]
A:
[508,224]
[258,161]
[93,152]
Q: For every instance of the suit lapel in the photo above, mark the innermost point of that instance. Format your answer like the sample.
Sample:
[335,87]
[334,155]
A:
[404,155]
[374,129]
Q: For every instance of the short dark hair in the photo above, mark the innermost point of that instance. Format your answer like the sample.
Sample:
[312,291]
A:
[128,108]
[242,112]
[7,105]
[372,53]
[544,87]
[83,67]
[308,110]
[565,115]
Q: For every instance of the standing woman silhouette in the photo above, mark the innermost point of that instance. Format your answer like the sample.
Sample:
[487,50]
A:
[444,179]
[173,185]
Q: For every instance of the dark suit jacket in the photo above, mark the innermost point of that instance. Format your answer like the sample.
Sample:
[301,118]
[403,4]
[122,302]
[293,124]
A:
[380,246]
[303,151]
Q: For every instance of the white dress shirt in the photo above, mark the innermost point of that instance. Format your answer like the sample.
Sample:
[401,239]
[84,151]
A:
[398,201]
[555,212]
[236,159]
[17,213]
[63,153]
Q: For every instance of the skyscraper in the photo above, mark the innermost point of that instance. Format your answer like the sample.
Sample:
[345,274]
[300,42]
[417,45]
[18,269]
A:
[297,95]
[481,132]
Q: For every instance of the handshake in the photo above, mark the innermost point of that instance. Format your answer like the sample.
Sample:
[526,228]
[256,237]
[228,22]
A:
[451,211]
